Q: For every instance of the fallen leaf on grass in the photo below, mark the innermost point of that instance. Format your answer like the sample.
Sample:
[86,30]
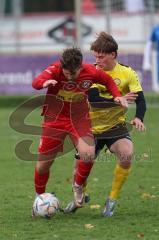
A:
[147,195]
[88,226]
[96,206]
[95,179]
[140,235]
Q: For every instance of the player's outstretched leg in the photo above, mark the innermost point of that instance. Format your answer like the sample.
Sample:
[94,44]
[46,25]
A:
[72,206]
[82,171]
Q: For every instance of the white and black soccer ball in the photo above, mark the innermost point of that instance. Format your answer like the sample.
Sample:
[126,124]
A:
[45,205]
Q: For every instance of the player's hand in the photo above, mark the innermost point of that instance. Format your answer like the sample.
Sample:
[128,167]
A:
[138,124]
[122,101]
[49,82]
[131,97]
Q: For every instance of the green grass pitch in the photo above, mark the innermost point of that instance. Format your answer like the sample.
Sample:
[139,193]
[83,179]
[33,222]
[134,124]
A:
[137,212]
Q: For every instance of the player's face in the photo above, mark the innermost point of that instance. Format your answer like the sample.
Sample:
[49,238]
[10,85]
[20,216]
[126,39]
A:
[103,60]
[71,75]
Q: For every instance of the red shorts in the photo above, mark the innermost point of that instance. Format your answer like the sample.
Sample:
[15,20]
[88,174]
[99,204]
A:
[55,132]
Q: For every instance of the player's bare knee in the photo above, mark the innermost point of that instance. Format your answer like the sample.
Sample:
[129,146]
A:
[88,154]
[125,158]
[87,151]
[125,164]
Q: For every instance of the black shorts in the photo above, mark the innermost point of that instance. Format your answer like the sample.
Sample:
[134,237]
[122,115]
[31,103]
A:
[109,137]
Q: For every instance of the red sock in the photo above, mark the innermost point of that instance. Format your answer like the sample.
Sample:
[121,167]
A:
[40,181]
[82,172]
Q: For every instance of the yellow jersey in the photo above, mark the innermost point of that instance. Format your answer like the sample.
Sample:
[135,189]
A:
[127,81]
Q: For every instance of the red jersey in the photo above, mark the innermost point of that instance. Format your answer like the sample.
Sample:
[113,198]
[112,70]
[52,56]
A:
[68,96]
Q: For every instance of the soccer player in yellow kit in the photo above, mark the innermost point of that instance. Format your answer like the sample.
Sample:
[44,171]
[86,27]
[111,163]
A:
[108,122]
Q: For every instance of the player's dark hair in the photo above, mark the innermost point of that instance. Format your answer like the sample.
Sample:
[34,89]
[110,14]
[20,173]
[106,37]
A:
[71,59]
[104,43]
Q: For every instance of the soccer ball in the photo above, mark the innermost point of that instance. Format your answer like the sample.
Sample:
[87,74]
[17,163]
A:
[45,205]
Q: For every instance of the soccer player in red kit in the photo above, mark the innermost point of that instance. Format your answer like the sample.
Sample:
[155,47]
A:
[66,112]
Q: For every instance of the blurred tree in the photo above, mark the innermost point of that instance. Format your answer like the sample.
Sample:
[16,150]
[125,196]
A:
[62,6]
[31,6]
[8,7]
[156,4]
[48,5]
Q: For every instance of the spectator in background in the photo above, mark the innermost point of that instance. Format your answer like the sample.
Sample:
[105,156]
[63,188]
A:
[151,57]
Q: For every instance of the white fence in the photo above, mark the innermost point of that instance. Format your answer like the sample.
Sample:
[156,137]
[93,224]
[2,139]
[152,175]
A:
[48,33]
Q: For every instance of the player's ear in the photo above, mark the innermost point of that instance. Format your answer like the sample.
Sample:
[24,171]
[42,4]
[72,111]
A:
[113,54]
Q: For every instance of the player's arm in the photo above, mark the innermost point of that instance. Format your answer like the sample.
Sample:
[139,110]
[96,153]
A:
[135,86]
[106,80]
[140,106]
[140,112]
[97,101]
[45,79]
